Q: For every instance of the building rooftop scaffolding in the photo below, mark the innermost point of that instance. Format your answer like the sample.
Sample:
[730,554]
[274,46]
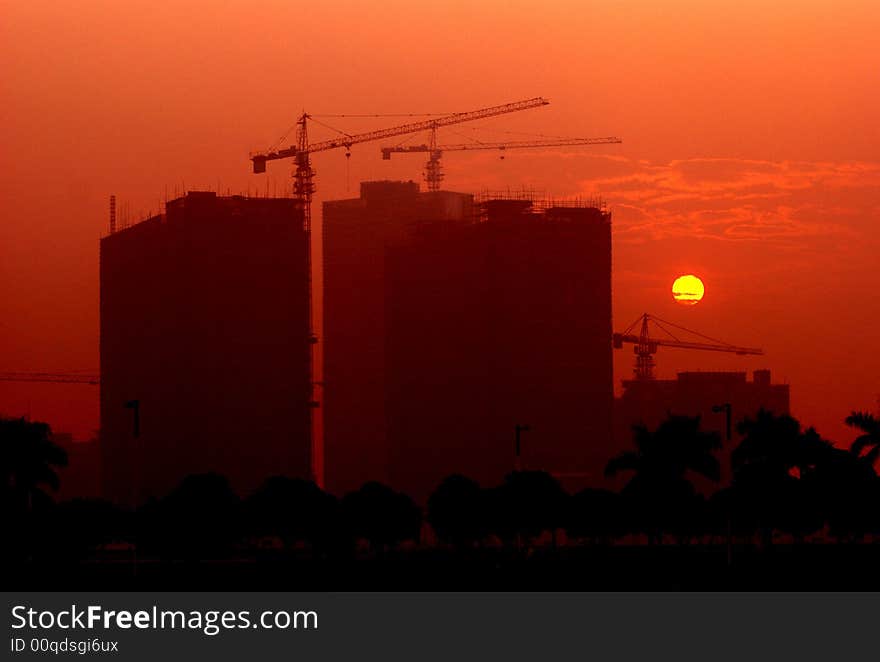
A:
[529,201]
[123,218]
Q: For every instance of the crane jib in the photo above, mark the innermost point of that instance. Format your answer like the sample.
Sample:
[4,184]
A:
[259,160]
[645,345]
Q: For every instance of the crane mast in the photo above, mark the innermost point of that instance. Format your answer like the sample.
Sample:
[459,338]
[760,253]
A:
[646,346]
[304,190]
[304,187]
[434,174]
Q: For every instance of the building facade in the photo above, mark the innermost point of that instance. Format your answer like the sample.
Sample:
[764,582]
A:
[205,334]
[448,323]
[500,322]
[358,233]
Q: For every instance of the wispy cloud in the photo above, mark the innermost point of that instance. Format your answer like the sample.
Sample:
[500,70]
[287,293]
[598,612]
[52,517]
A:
[739,200]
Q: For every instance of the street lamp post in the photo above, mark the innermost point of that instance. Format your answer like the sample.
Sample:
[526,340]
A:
[135,406]
[519,429]
[726,408]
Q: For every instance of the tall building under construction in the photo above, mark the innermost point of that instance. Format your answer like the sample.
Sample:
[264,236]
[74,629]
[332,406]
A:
[205,335]
[357,235]
[470,319]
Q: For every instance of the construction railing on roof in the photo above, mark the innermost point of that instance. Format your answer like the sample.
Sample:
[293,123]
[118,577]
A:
[531,202]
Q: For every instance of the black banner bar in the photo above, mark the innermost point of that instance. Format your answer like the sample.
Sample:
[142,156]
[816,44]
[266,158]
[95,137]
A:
[438,626]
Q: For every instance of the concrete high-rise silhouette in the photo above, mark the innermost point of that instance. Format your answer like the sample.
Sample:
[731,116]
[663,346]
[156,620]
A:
[357,235]
[205,326]
[455,327]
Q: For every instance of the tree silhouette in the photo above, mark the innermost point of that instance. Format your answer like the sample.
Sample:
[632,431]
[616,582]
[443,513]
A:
[199,519]
[28,458]
[775,445]
[595,514]
[769,465]
[81,525]
[457,511]
[381,516]
[845,491]
[870,437]
[659,496]
[527,504]
[295,510]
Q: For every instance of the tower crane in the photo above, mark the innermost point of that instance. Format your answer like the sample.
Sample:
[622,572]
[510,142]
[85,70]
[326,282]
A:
[434,174]
[646,346]
[304,188]
[303,178]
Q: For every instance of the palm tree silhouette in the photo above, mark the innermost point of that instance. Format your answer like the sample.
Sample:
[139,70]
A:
[775,445]
[675,447]
[770,465]
[845,492]
[659,491]
[870,439]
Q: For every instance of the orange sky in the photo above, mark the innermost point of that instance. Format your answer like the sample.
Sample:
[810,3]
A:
[750,155]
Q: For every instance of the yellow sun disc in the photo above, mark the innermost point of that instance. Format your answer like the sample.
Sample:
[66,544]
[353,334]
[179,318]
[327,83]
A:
[688,290]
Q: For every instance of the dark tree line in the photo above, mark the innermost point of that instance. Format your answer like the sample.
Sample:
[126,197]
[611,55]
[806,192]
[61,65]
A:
[786,481]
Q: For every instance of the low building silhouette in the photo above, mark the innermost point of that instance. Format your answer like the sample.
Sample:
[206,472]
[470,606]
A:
[703,394]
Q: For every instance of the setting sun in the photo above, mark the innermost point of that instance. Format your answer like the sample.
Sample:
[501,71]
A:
[688,290]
